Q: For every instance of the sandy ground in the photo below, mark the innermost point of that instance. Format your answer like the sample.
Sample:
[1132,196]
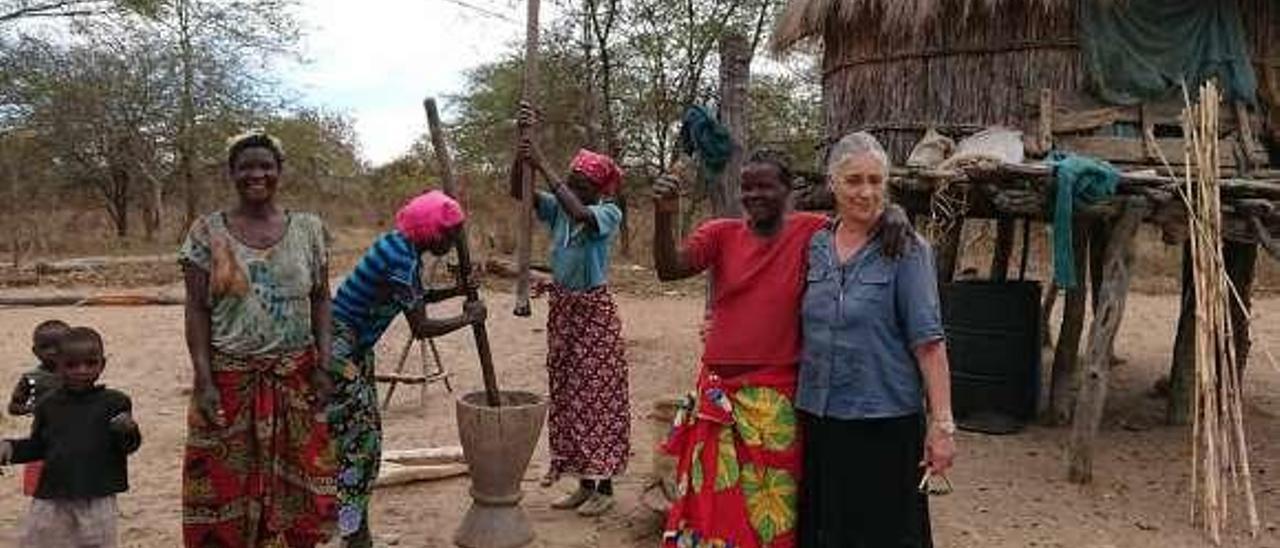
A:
[1010,490]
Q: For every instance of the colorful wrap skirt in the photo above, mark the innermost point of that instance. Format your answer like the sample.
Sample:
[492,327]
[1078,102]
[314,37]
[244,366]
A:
[589,420]
[356,424]
[265,479]
[738,449]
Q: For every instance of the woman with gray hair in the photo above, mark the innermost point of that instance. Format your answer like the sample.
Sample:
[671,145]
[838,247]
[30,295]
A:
[874,357]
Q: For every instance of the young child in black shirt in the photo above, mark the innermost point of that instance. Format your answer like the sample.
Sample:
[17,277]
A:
[84,432]
[37,383]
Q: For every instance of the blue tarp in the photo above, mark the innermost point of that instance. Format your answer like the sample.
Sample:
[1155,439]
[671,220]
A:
[1142,50]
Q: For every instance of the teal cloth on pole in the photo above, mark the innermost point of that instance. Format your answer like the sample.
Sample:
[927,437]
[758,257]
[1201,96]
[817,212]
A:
[1142,50]
[701,135]
[1078,178]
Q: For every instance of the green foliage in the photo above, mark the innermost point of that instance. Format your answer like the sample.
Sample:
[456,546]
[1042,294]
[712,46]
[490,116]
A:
[663,56]
[110,101]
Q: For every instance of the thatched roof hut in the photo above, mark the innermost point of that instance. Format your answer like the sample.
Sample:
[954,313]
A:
[898,67]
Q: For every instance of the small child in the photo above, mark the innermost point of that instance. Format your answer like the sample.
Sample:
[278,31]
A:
[35,384]
[84,432]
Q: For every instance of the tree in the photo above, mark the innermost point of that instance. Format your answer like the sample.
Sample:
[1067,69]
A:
[224,53]
[95,109]
[129,105]
[16,10]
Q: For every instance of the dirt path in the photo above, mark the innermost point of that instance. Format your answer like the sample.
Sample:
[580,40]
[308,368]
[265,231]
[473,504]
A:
[1010,490]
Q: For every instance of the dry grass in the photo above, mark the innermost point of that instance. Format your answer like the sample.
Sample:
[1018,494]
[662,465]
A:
[803,19]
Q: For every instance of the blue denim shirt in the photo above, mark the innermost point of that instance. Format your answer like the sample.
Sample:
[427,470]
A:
[861,322]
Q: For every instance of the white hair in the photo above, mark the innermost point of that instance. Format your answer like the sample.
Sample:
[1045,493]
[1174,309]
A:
[856,144]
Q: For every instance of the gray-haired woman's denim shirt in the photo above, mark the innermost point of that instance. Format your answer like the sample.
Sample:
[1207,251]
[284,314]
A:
[861,321]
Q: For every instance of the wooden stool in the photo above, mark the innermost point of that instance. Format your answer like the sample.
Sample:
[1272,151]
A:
[431,372]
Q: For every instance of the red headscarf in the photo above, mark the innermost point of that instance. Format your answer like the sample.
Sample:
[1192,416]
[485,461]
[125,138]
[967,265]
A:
[599,169]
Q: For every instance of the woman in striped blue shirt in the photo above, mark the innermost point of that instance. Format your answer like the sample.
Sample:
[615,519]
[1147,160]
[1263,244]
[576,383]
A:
[385,283]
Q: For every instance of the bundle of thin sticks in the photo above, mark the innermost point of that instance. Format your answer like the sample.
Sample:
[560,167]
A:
[1220,454]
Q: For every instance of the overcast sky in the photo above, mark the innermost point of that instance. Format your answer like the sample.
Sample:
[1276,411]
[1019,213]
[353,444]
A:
[377,59]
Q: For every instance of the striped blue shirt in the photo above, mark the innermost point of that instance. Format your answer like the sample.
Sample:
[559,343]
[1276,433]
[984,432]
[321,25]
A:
[385,283]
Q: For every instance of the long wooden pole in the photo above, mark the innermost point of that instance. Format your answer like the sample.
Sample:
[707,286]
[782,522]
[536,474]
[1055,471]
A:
[524,238]
[479,329]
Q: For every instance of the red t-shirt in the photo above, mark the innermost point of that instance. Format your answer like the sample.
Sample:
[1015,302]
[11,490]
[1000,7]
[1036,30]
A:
[757,284]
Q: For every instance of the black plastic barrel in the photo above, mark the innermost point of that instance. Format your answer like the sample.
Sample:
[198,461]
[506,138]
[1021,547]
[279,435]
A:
[993,344]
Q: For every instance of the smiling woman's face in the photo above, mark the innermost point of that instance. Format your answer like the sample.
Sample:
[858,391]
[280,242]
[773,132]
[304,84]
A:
[858,184]
[256,174]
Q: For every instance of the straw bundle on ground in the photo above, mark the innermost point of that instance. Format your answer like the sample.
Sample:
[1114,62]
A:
[1220,453]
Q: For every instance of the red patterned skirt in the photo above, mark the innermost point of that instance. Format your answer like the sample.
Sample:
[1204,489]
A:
[589,420]
[266,480]
[739,461]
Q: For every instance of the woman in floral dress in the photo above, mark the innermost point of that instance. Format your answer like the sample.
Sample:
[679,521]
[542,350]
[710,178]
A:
[258,470]
[736,437]
[589,422]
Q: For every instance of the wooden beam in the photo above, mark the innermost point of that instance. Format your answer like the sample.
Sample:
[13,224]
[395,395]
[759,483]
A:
[1106,322]
[1135,151]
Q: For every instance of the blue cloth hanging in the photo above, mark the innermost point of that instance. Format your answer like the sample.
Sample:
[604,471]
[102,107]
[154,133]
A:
[1078,178]
[701,135]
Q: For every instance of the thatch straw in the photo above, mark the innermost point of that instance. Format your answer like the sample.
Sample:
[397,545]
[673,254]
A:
[804,19]
[958,77]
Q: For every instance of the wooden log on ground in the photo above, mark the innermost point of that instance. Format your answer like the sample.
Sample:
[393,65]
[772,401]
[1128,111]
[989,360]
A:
[1106,322]
[391,474]
[427,456]
[81,264]
[92,300]
[503,268]
[1065,378]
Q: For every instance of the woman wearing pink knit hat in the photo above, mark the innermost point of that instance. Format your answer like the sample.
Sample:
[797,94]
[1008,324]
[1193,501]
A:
[385,283]
[589,420]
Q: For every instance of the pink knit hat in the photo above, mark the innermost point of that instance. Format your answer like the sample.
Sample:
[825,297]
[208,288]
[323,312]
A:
[428,216]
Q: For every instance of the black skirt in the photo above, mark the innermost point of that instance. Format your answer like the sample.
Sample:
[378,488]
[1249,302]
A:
[860,484]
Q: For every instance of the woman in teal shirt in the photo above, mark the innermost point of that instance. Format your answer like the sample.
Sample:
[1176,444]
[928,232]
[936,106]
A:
[589,419]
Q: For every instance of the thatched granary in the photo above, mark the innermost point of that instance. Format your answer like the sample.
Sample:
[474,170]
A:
[1082,76]
[898,67]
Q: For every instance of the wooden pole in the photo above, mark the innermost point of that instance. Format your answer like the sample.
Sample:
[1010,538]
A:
[949,251]
[524,237]
[481,333]
[735,112]
[1005,230]
[1182,369]
[1066,355]
[1241,263]
[1117,269]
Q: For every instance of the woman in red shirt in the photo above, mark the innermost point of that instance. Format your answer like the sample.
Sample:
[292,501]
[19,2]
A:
[736,437]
